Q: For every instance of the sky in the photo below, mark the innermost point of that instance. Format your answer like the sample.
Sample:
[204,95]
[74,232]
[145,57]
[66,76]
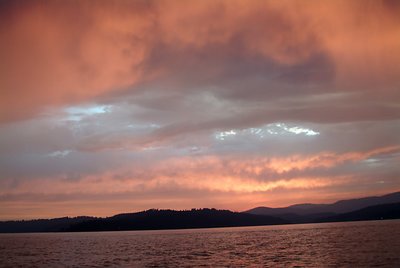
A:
[121,106]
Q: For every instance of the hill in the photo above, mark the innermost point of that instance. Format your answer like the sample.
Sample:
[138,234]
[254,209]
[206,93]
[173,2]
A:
[378,212]
[312,212]
[368,208]
[172,219]
[145,220]
[40,225]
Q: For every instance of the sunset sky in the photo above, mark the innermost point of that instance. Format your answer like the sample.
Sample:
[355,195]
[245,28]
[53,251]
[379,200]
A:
[120,106]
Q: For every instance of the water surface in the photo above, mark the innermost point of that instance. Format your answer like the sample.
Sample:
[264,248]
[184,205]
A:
[360,244]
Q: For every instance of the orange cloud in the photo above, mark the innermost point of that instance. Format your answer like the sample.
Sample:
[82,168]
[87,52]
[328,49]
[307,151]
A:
[55,54]
[185,182]
[325,159]
[66,52]
[205,173]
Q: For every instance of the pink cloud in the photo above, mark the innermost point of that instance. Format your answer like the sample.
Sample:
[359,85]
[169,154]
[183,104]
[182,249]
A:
[62,53]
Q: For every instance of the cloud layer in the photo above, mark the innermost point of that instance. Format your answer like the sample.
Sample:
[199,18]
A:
[156,102]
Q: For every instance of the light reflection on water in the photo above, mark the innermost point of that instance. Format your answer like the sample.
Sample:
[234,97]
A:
[361,244]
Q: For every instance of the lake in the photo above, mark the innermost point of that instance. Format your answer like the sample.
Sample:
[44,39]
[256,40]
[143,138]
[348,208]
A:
[361,244]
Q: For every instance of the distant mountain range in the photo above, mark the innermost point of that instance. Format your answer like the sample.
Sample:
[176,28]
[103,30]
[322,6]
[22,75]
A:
[302,213]
[378,212]
[369,208]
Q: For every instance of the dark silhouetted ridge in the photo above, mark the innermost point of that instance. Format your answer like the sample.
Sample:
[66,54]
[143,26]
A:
[303,213]
[378,212]
[40,225]
[368,208]
[171,219]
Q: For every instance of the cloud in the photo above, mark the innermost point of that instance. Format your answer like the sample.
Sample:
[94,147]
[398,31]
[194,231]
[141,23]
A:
[261,100]
[57,53]
[204,181]
[65,53]
[209,172]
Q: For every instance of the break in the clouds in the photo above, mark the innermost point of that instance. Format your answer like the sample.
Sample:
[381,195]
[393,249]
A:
[113,106]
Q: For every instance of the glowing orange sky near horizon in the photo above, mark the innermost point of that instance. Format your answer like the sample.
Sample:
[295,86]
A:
[115,106]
